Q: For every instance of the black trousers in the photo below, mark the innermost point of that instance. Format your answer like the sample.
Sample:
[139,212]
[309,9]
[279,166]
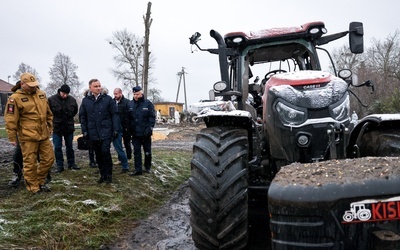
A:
[138,142]
[17,158]
[103,156]
[126,138]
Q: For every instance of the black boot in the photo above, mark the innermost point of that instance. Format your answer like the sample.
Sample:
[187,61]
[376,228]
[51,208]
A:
[108,179]
[74,167]
[59,169]
[93,165]
[48,178]
[101,180]
[15,181]
[44,188]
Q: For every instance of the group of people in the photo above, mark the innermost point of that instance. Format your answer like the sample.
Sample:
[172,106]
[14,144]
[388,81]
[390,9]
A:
[31,118]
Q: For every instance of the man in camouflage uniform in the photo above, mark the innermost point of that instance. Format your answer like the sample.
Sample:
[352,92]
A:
[29,117]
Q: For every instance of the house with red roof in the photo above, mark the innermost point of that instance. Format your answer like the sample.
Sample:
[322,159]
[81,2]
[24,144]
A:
[5,92]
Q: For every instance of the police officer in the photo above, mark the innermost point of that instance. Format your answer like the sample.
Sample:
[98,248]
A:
[28,115]
[142,118]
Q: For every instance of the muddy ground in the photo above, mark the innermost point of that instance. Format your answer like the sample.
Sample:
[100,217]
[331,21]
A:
[169,227]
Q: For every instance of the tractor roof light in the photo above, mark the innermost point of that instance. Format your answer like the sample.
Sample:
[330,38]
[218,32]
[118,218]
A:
[317,30]
[234,40]
[238,39]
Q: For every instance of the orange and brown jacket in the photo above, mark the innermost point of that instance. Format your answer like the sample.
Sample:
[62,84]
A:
[28,116]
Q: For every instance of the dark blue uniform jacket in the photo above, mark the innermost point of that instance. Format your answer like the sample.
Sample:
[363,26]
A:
[142,117]
[99,118]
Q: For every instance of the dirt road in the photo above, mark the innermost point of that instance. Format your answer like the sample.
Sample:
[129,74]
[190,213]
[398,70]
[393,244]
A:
[169,227]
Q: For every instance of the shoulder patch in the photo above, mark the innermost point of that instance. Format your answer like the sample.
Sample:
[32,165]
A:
[10,109]
[42,96]
[25,99]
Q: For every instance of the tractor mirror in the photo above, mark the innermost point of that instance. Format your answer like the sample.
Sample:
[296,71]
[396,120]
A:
[195,38]
[356,39]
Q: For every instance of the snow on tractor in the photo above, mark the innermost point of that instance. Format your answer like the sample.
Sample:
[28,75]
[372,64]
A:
[197,108]
[296,113]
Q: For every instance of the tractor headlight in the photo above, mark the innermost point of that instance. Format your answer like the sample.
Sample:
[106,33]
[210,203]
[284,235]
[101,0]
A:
[290,115]
[220,86]
[341,112]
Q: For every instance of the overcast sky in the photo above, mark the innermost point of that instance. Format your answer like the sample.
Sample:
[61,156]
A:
[34,31]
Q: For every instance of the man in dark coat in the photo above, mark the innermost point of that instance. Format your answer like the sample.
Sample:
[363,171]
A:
[122,110]
[123,106]
[142,118]
[64,108]
[100,123]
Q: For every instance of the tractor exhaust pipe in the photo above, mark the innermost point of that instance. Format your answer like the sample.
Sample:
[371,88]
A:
[223,62]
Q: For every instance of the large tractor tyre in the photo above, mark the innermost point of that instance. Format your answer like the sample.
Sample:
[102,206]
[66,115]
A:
[385,142]
[218,189]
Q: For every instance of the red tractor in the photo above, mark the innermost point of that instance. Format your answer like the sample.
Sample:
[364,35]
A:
[295,114]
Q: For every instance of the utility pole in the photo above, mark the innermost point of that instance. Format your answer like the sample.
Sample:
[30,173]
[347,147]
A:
[146,54]
[181,75]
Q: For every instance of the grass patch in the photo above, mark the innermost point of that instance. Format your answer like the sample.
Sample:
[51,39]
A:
[81,214]
[3,133]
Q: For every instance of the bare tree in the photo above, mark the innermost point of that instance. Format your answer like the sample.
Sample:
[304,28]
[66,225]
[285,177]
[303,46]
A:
[355,62]
[383,59]
[129,68]
[345,60]
[154,95]
[22,68]
[146,57]
[381,64]
[63,72]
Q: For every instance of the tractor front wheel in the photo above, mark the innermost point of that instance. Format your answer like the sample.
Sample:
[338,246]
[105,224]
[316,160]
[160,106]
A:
[218,185]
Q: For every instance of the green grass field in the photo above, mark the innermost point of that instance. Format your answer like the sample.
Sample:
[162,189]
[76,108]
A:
[81,214]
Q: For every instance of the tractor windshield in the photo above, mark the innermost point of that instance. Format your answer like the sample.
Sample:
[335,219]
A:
[265,60]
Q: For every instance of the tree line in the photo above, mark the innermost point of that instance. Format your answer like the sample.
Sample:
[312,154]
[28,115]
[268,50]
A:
[380,63]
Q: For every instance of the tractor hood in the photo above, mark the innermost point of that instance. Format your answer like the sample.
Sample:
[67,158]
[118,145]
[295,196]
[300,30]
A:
[309,89]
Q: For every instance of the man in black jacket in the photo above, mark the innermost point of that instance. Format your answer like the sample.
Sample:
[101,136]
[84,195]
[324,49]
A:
[142,119]
[64,108]
[122,109]
[100,123]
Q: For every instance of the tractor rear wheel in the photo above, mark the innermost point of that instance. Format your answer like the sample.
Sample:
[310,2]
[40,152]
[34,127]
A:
[218,186]
[383,142]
